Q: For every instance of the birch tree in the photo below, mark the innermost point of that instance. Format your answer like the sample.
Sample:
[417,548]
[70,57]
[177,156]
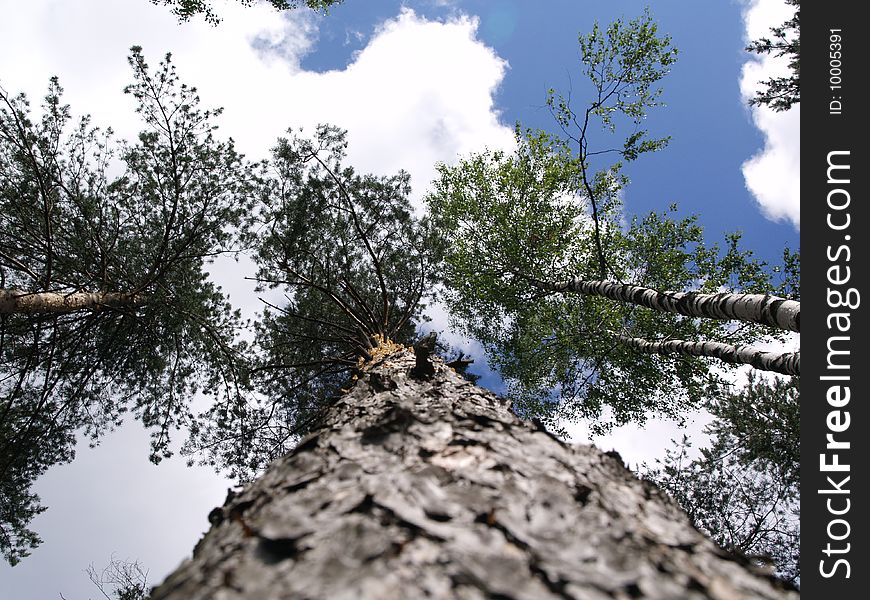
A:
[755,308]
[579,310]
[105,305]
[787,363]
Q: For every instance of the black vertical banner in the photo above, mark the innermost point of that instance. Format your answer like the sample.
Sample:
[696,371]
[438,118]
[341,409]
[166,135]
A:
[835,227]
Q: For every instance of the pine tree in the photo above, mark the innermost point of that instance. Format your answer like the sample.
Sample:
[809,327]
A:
[744,489]
[781,93]
[105,305]
[431,487]
[354,266]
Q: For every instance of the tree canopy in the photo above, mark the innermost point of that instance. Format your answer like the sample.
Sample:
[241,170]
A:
[106,306]
[354,266]
[157,331]
[516,224]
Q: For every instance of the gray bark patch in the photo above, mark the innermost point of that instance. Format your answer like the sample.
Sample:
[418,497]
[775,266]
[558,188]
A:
[432,488]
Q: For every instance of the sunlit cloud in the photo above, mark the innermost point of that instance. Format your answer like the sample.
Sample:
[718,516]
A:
[772,174]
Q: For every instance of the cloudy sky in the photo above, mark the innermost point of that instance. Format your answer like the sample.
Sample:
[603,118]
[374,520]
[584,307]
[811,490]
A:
[414,82]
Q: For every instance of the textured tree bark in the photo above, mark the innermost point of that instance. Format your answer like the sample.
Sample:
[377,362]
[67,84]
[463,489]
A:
[755,308]
[787,363]
[19,301]
[432,488]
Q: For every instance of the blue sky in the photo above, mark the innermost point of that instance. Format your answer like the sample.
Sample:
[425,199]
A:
[712,128]
[414,82]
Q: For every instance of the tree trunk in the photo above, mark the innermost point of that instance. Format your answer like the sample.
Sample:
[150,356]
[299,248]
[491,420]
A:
[755,308]
[432,488]
[19,301]
[787,363]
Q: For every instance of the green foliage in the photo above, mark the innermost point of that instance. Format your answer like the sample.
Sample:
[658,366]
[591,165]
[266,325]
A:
[18,505]
[511,221]
[624,64]
[744,490]
[790,275]
[518,209]
[781,93]
[68,226]
[543,214]
[355,266]
[185,9]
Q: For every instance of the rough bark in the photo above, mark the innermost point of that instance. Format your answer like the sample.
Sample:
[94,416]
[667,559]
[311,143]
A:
[20,301]
[787,363]
[756,308]
[431,488]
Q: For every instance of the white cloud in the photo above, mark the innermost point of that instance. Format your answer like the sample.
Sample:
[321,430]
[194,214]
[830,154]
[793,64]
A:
[773,174]
[419,92]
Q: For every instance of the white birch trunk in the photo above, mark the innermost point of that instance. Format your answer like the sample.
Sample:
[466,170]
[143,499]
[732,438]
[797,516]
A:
[787,363]
[20,301]
[756,308]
